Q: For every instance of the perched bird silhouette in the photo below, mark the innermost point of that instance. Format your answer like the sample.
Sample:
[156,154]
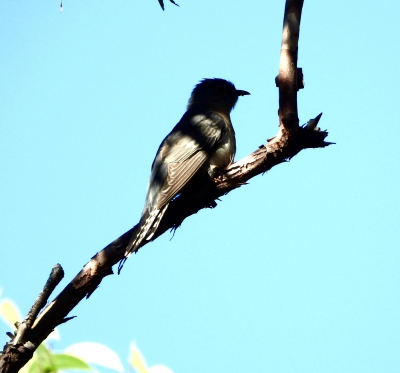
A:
[197,149]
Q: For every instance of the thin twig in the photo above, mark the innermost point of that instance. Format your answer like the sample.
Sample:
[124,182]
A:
[56,275]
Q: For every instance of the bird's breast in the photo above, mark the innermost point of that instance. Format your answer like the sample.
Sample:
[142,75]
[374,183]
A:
[225,151]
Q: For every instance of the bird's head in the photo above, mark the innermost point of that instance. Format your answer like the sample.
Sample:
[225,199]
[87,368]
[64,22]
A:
[215,94]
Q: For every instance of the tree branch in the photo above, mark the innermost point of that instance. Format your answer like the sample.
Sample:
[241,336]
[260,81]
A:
[290,140]
[287,78]
[17,352]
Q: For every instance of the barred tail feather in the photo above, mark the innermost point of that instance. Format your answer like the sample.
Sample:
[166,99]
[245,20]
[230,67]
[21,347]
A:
[148,227]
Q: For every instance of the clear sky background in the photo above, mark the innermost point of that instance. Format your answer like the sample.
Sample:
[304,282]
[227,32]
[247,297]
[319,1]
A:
[297,271]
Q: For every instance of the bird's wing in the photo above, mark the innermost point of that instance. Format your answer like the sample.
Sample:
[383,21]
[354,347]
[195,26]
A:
[179,157]
[185,150]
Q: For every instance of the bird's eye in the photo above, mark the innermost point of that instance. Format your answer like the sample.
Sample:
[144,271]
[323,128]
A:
[220,89]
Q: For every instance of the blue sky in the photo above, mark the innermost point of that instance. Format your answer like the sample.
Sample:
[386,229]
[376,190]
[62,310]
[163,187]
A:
[295,272]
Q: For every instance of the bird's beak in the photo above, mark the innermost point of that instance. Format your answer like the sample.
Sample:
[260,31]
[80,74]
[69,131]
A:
[239,92]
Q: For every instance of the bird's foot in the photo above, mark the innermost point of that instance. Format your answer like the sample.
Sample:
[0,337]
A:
[215,173]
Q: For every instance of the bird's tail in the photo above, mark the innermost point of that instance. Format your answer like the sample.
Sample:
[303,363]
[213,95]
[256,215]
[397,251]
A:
[146,229]
[148,225]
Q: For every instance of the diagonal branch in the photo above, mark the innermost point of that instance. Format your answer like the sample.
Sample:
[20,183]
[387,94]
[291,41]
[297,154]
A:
[290,140]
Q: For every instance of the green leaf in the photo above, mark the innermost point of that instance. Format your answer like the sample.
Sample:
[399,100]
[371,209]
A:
[43,361]
[64,361]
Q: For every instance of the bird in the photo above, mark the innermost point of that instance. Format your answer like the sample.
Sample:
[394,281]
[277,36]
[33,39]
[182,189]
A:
[197,149]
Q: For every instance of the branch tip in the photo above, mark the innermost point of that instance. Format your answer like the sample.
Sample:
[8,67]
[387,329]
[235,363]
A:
[312,123]
[66,319]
